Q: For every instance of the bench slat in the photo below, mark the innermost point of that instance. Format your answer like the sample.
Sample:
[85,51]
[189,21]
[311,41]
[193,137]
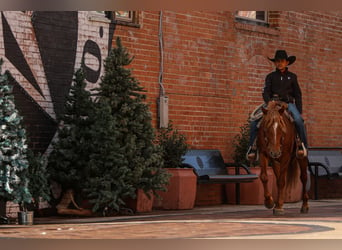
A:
[228,178]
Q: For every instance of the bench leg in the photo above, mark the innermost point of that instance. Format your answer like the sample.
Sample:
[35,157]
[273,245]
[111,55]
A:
[237,193]
[316,183]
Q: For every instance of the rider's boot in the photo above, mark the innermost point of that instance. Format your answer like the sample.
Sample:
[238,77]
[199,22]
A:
[301,151]
[252,153]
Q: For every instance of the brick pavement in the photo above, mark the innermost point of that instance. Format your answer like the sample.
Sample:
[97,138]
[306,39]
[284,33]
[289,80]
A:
[324,221]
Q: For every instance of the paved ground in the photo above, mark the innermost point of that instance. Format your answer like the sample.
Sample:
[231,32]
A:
[324,221]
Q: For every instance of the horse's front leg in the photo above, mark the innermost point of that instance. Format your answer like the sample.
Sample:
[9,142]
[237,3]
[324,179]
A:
[269,203]
[280,169]
[303,163]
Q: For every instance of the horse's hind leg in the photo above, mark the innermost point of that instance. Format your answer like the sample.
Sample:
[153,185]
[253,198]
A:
[303,163]
[269,203]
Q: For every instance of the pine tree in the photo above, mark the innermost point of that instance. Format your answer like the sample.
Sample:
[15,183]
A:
[241,143]
[13,147]
[39,185]
[70,154]
[136,162]
[173,145]
[108,178]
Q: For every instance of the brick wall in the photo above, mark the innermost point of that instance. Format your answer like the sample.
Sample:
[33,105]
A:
[214,69]
[42,49]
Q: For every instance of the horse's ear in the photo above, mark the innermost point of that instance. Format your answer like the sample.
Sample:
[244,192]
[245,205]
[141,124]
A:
[264,110]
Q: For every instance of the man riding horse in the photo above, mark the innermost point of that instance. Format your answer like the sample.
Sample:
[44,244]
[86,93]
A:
[282,85]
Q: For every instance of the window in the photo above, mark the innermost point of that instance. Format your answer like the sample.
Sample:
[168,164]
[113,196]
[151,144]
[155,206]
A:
[129,18]
[98,16]
[123,17]
[258,17]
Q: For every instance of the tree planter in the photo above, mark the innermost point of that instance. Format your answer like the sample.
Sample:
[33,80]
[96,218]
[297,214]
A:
[181,190]
[142,203]
[250,193]
[25,218]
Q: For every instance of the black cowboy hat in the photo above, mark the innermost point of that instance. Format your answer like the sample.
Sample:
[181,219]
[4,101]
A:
[281,54]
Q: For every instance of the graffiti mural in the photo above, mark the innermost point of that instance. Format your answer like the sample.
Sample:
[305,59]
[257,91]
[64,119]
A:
[42,49]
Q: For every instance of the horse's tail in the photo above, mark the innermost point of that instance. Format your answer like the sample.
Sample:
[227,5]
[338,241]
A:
[292,173]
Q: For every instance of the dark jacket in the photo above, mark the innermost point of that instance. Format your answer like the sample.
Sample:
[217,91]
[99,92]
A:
[285,85]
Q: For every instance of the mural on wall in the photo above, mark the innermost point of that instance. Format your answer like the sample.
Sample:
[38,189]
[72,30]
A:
[42,50]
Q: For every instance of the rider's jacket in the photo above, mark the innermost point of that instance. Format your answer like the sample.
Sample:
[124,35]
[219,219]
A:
[285,85]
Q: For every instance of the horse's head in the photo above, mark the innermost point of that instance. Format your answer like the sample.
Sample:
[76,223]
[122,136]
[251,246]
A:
[274,128]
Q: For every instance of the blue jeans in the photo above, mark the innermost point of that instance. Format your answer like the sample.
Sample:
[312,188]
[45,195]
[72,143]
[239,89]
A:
[298,120]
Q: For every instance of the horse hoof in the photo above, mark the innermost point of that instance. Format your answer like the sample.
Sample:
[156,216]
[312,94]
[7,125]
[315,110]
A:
[278,211]
[304,210]
[269,203]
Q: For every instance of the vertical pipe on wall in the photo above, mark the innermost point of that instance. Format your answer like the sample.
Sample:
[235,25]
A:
[161,49]
[163,100]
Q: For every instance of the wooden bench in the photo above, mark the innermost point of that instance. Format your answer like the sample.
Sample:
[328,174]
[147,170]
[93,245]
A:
[210,167]
[324,162]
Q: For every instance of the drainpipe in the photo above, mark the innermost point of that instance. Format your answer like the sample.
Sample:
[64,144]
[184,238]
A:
[163,100]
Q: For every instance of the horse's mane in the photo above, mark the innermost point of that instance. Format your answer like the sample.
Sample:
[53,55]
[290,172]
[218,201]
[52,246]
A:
[273,115]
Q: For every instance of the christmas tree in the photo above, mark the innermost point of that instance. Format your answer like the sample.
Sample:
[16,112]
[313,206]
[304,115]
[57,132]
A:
[133,161]
[13,147]
[108,178]
[70,154]
[105,150]
[39,185]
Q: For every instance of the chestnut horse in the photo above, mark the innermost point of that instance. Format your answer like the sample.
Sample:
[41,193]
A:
[276,142]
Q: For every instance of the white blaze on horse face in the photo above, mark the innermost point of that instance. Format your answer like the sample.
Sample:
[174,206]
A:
[275,126]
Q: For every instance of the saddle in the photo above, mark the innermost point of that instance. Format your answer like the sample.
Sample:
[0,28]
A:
[257,114]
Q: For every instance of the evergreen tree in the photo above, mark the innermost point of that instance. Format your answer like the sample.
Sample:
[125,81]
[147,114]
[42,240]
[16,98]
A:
[173,145]
[241,143]
[108,178]
[39,185]
[13,147]
[70,154]
[136,161]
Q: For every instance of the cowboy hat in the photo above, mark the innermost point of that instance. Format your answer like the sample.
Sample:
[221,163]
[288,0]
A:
[281,54]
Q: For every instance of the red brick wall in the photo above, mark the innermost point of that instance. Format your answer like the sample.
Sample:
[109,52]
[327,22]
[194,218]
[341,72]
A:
[214,69]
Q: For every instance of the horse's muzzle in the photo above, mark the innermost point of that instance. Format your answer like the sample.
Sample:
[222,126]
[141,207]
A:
[275,154]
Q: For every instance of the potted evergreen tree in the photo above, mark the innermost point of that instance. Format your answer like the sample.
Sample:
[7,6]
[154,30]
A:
[13,150]
[181,190]
[133,153]
[105,151]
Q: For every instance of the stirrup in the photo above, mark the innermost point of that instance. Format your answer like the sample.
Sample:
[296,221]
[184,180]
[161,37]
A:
[252,154]
[299,154]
